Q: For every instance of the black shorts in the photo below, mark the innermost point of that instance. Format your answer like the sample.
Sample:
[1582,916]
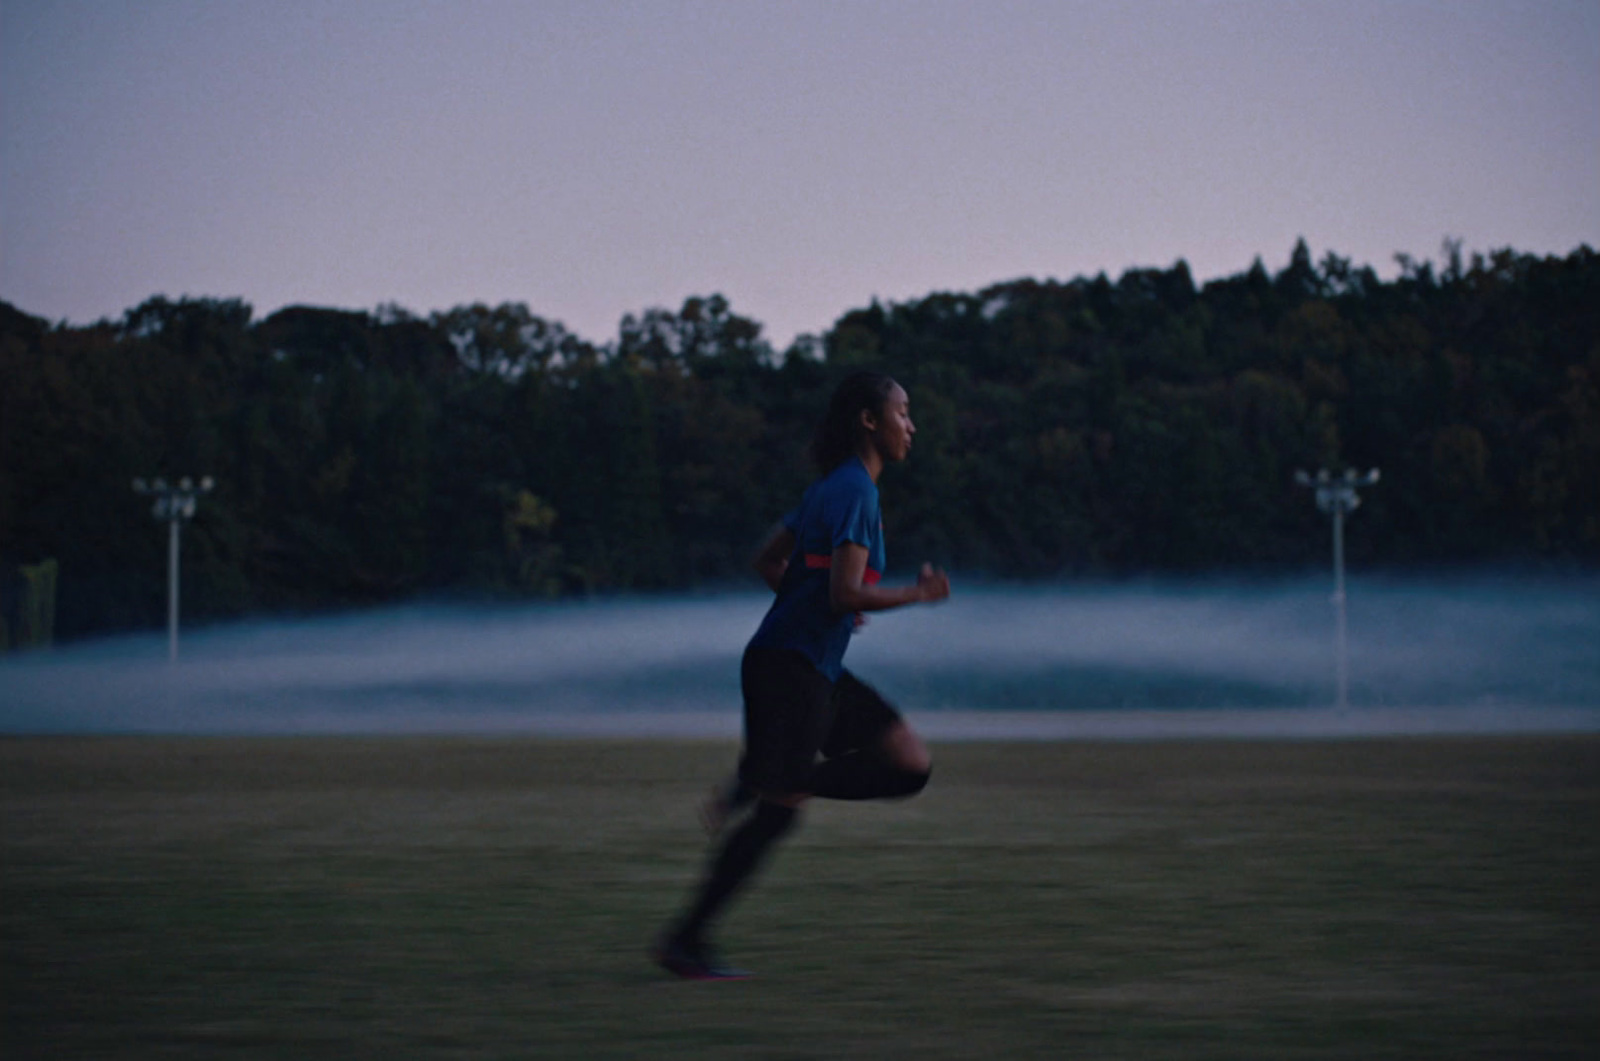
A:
[793,713]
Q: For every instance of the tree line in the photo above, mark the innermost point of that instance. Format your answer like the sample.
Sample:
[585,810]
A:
[1085,427]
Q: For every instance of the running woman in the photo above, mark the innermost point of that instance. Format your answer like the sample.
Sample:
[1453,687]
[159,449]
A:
[810,727]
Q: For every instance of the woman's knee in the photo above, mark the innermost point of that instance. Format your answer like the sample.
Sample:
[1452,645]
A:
[909,757]
[906,751]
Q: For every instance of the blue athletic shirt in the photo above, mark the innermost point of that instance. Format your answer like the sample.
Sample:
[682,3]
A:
[841,507]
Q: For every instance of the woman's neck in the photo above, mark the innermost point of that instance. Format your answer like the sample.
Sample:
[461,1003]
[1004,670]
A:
[869,455]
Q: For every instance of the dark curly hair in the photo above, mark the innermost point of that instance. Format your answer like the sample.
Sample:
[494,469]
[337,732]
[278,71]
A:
[839,433]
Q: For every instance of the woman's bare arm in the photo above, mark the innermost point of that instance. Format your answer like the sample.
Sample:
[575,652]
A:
[847,591]
[773,559]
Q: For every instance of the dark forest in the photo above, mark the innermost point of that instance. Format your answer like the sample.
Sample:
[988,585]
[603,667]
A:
[1092,427]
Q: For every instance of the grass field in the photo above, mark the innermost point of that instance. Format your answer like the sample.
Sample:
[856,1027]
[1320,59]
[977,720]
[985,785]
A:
[437,898]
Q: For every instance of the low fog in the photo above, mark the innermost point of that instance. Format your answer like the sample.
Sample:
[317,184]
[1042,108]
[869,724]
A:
[1150,659]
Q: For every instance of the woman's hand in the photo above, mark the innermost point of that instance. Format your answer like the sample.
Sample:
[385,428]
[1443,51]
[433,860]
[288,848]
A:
[932,583]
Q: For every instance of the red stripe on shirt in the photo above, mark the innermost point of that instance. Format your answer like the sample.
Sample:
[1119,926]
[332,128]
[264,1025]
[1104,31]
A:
[820,562]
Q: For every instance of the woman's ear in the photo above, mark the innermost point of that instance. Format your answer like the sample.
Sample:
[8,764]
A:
[868,421]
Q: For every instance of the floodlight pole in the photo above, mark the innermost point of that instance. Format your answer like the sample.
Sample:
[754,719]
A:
[1337,496]
[174,503]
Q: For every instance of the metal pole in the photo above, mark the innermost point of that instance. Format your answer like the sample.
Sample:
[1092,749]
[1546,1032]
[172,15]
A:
[174,503]
[172,587]
[1338,606]
[1336,495]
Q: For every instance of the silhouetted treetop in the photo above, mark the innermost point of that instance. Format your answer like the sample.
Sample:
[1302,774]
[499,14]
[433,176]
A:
[1082,426]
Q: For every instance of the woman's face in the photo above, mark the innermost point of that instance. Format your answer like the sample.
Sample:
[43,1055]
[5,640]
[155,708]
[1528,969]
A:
[892,430]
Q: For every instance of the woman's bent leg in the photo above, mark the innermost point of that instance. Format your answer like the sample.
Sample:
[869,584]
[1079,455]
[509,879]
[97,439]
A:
[870,752]
[897,767]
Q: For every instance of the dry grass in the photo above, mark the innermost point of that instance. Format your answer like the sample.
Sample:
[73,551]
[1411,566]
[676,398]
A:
[464,898]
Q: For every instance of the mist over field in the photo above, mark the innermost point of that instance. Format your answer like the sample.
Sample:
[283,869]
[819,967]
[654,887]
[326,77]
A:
[1157,658]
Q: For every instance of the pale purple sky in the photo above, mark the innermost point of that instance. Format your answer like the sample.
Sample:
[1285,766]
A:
[598,158]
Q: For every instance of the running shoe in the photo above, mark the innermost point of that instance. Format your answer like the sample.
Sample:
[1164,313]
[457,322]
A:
[693,961]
